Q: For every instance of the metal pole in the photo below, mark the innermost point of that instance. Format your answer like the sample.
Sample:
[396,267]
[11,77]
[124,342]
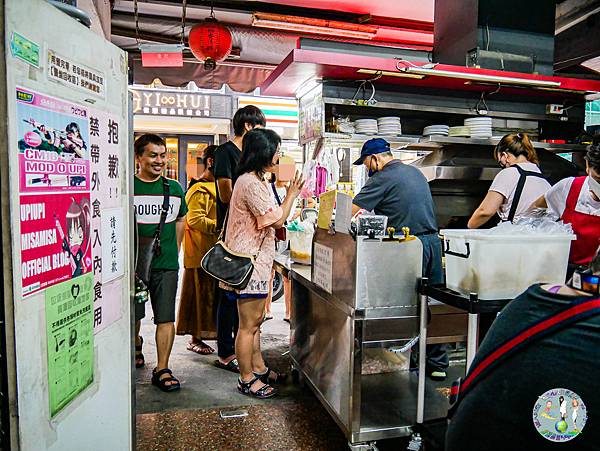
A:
[424,301]
[472,331]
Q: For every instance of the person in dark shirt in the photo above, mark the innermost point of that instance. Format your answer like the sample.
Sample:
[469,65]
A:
[517,404]
[401,193]
[227,157]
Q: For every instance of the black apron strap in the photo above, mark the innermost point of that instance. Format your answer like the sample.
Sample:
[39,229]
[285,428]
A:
[523,174]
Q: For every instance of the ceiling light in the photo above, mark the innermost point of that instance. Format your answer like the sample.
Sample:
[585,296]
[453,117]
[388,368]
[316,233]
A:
[386,73]
[482,77]
[313,26]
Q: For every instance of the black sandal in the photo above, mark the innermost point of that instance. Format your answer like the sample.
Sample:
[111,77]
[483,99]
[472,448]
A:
[162,383]
[232,365]
[279,378]
[261,393]
[138,354]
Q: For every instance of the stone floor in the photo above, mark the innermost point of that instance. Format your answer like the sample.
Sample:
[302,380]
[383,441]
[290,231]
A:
[191,418]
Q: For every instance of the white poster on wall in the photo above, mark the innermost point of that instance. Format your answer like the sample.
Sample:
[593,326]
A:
[113,248]
[107,304]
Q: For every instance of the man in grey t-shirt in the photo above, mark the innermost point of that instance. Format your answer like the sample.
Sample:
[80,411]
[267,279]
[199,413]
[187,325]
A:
[401,193]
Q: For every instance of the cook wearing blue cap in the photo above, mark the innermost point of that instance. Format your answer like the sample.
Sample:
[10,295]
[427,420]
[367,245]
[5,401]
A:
[372,147]
[400,192]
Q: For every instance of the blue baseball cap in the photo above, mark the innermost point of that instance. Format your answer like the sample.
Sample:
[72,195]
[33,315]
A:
[372,147]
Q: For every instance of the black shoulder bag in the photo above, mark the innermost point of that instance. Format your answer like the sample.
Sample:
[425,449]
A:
[149,246]
[232,268]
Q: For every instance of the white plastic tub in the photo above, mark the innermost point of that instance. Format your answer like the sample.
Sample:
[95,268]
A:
[503,266]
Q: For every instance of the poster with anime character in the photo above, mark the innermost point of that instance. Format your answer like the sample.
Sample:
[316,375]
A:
[56,239]
[53,141]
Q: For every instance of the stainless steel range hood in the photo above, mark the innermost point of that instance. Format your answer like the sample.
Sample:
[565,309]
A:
[460,175]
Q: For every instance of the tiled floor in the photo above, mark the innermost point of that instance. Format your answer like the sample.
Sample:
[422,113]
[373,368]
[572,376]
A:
[190,419]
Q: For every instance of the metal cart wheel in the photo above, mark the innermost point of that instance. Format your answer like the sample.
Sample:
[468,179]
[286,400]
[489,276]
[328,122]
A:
[277,287]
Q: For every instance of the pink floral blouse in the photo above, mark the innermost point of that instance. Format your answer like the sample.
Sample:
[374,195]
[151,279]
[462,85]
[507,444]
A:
[252,211]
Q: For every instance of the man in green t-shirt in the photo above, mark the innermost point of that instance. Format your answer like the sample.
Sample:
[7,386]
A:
[151,157]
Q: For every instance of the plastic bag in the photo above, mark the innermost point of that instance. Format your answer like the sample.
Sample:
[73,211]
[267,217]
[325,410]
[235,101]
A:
[537,221]
[309,174]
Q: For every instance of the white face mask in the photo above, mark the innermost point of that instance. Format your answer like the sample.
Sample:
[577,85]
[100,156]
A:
[594,186]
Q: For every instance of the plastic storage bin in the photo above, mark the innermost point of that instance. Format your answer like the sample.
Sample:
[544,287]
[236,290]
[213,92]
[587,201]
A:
[300,246]
[503,266]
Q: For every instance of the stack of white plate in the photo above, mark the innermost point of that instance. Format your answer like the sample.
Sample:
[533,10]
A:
[479,127]
[389,126]
[439,130]
[460,131]
[366,126]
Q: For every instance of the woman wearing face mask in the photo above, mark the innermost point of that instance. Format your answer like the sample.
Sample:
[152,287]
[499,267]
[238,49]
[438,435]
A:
[577,201]
[516,186]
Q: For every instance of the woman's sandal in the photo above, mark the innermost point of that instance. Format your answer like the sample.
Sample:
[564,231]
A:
[162,383]
[271,377]
[200,348]
[139,357]
[264,392]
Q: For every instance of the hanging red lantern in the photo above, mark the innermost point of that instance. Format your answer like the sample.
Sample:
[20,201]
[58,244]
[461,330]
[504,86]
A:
[210,42]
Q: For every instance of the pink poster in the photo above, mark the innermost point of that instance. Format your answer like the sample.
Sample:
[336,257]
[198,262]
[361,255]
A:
[53,140]
[56,239]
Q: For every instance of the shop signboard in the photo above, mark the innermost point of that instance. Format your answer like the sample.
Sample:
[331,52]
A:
[181,103]
[312,116]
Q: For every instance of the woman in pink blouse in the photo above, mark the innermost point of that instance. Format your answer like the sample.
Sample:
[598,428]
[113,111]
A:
[253,218]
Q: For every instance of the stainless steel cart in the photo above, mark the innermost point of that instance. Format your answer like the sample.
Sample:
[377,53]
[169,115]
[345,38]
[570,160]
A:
[368,301]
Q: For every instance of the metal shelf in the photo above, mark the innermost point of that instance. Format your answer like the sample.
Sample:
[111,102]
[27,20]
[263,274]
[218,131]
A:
[433,142]
[357,138]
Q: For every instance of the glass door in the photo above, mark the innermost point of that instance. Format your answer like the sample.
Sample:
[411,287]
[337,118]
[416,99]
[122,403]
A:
[191,152]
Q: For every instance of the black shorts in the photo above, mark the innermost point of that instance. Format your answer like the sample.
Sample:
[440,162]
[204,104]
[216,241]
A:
[163,289]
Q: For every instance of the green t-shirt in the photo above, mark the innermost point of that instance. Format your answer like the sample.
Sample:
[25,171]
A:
[148,201]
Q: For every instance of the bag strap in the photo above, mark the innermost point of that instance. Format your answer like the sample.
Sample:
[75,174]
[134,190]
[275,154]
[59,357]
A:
[224,226]
[574,313]
[277,198]
[523,174]
[165,207]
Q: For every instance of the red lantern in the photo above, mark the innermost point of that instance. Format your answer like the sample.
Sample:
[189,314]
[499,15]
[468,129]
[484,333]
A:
[210,42]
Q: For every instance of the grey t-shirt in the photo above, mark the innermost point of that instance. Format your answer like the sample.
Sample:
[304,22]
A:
[401,193]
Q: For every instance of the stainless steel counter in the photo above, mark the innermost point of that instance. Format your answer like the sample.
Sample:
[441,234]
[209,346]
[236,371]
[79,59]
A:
[370,307]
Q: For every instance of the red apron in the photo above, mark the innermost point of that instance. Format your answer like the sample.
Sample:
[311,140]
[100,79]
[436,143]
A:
[585,226]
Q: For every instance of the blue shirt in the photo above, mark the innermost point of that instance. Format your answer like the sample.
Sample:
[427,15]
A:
[401,193]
